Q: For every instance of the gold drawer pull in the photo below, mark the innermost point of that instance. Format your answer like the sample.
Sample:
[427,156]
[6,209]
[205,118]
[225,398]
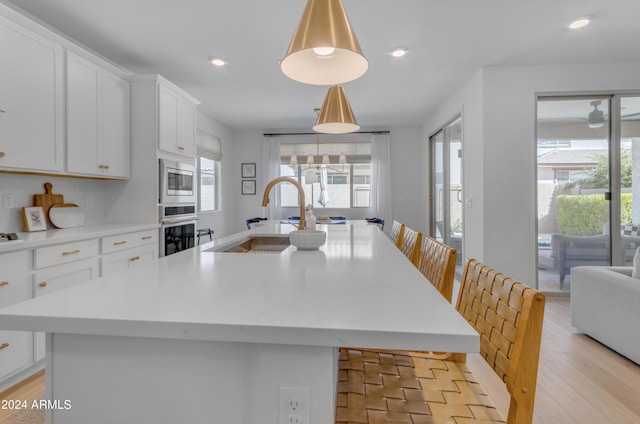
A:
[4,283]
[116,243]
[43,284]
[3,345]
[73,252]
[147,237]
[1,154]
[103,166]
[135,258]
[181,148]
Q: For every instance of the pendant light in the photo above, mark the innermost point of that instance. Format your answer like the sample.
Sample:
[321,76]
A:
[324,50]
[335,116]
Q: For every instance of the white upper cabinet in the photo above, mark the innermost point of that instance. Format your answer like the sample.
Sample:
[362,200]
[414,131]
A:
[97,120]
[176,122]
[31,101]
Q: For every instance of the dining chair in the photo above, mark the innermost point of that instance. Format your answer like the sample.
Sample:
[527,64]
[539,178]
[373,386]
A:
[204,232]
[254,222]
[377,221]
[438,264]
[410,244]
[396,233]
[378,386]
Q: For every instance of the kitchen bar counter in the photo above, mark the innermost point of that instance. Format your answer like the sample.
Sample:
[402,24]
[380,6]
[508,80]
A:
[228,330]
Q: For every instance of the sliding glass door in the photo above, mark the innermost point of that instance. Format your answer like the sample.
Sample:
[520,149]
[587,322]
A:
[587,156]
[446,185]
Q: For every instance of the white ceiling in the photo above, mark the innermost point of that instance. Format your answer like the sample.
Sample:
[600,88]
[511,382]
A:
[448,41]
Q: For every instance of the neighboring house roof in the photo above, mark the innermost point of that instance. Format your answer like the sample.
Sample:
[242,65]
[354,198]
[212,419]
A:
[570,157]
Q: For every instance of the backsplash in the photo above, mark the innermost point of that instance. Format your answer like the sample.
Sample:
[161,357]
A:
[88,194]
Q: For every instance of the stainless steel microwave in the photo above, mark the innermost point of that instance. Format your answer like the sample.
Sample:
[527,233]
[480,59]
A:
[177,182]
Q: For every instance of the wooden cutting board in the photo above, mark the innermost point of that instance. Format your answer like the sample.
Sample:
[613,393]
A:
[47,199]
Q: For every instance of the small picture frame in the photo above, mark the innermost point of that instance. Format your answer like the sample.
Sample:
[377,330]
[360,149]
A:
[248,170]
[248,186]
[34,219]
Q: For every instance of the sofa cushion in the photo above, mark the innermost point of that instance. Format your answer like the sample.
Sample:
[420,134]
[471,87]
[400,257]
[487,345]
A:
[630,229]
[636,264]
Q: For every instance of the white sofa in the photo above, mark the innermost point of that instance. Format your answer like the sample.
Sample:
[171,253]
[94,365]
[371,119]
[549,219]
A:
[605,304]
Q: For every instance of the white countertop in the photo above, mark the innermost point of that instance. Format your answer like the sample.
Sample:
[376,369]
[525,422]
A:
[64,235]
[357,290]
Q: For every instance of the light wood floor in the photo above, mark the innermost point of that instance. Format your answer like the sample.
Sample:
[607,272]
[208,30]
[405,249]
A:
[28,390]
[579,380]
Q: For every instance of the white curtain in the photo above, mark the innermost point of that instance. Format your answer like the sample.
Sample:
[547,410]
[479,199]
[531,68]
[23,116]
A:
[271,159]
[380,198]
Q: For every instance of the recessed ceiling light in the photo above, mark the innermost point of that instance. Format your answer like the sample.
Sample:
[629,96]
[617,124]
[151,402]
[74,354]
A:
[399,52]
[580,22]
[217,61]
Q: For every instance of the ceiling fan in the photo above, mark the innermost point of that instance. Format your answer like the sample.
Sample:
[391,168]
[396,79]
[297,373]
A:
[597,117]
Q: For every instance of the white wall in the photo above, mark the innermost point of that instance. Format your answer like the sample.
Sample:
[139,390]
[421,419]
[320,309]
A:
[501,133]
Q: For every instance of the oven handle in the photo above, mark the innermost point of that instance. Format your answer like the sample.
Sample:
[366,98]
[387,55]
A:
[178,220]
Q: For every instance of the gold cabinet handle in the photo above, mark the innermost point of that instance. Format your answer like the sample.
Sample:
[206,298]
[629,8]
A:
[101,166]
[116,243]
[73,252]
[1,154]
[3,345]
[4,283]
[146,237]
[135,258]
[43,284]
[181,148]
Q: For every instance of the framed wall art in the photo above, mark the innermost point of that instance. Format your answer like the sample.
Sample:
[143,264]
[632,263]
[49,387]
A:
[248,170]
[248,186]
[34,219]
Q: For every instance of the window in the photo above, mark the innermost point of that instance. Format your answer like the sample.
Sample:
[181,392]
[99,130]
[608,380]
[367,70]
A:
[209,162]
[208,171]
[348,185]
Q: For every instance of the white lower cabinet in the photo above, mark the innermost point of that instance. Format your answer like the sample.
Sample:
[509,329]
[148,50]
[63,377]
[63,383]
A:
[124,251]
[125,259]
[49,280]
[15,286]
[39,271]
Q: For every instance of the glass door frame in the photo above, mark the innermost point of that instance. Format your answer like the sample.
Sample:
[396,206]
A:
[614,151]
[446,182]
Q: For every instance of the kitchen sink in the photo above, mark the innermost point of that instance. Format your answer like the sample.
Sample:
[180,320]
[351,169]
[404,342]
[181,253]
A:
[255,244]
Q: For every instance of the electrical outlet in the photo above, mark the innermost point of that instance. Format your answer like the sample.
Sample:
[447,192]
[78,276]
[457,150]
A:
[7,201]
[294,405]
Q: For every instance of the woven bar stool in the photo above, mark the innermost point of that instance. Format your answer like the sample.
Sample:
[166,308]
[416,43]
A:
[382,387]
[438,264]
[396,233]
[410,244]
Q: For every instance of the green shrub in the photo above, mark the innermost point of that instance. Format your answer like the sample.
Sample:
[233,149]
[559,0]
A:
[586,214]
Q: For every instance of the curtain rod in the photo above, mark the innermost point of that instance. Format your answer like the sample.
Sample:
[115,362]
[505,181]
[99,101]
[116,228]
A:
[315,133]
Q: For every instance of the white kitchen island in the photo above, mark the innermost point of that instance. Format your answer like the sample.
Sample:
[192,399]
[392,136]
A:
[212,337]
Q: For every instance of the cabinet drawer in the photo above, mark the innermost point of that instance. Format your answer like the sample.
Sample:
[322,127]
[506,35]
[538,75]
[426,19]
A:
[15,277]
[59,277]
[127,241]
[15,351]
[125,259]
[65,253]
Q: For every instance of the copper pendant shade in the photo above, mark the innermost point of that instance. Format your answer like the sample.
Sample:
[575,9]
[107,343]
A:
[324,50]
[336,116]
